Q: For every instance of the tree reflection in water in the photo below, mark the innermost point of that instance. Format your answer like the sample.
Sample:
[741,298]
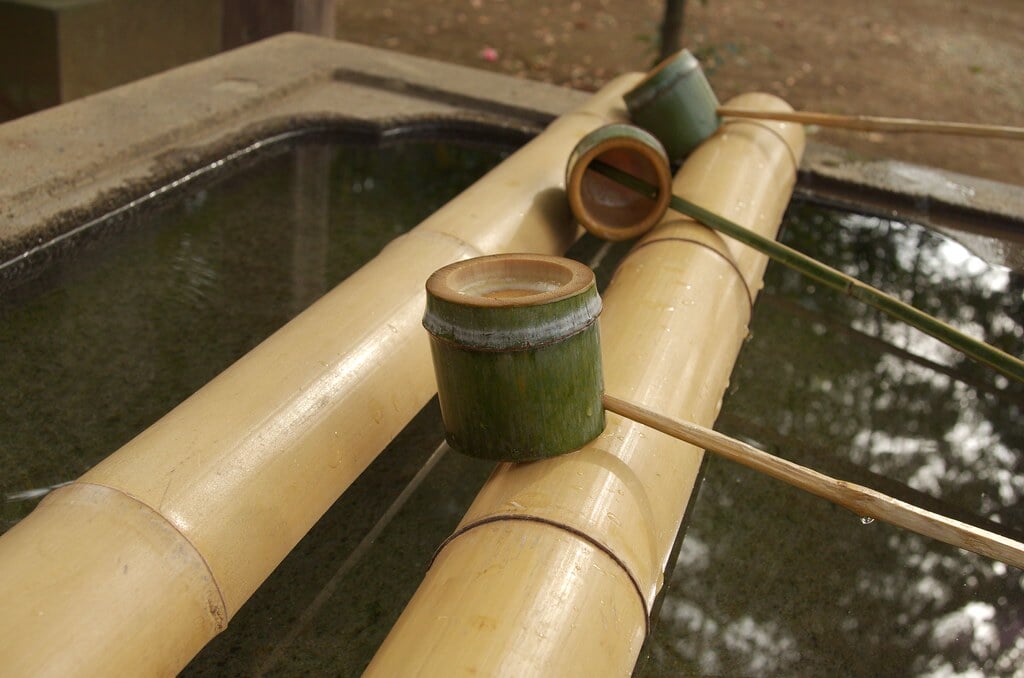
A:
[771,580]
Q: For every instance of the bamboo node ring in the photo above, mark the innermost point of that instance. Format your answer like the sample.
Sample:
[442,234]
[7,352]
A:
[575,531]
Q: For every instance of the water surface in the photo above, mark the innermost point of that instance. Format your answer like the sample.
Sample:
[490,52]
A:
[768,580]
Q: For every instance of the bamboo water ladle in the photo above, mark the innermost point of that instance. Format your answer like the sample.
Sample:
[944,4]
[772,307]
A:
[1009,365]
[675,102]
[618,185]
[676,105]
[477,295]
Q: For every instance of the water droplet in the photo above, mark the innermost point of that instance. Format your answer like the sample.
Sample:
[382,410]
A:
[866,520]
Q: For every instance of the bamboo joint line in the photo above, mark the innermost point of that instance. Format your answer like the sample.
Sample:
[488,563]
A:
[574,531]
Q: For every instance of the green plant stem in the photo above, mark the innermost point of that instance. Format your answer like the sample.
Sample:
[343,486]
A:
[978,350]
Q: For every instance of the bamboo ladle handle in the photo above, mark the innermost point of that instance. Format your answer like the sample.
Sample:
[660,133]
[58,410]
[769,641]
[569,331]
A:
[863,501]
[1009,365]
[869,123]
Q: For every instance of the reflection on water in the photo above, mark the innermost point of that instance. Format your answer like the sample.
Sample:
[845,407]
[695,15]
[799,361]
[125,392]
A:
[769,580]
[772,580]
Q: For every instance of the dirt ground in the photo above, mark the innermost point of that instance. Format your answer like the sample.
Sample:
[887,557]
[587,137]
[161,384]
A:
[935,59]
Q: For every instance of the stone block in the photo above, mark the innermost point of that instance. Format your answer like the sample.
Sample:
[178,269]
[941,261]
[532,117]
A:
[52,51]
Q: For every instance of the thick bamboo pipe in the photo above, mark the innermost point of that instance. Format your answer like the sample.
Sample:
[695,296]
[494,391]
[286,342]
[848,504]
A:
[134,567]
[555,566]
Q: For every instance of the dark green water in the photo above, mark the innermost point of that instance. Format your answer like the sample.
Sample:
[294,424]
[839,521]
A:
[768,580]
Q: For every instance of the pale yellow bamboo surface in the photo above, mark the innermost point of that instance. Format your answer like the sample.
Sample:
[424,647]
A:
[863,501]
[871,123]
[184,522]
[558,562]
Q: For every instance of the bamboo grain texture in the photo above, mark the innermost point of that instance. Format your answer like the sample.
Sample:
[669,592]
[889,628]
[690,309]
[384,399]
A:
[869,123]
[863,501]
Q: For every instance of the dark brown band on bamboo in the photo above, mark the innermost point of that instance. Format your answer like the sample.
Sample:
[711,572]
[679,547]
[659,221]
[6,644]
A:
[220,614]
[576,532]
[725,257]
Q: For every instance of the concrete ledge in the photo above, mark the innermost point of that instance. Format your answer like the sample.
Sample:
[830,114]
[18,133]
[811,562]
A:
[923,194]
[64,166]
[68,164]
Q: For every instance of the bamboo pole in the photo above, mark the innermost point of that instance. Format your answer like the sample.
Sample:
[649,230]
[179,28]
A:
[863,501]
[871,123]
[134,567]
[987,354]
[555,566]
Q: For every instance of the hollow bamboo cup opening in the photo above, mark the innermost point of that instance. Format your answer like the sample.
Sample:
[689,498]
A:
[517,355]
[601,205]
[510,280]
